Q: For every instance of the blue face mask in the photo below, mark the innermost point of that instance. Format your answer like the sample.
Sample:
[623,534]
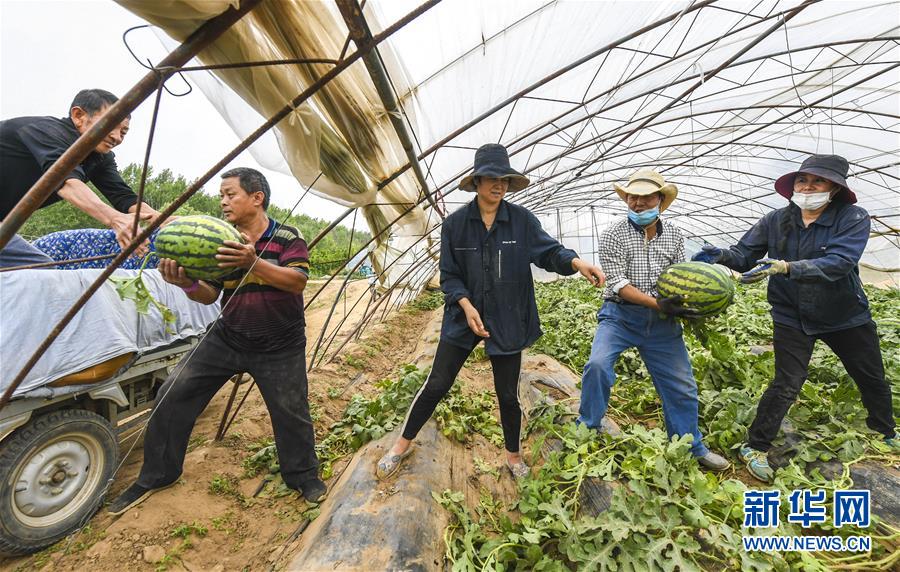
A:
[645,217]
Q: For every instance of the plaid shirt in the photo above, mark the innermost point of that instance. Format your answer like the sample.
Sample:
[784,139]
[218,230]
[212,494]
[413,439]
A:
[628,257]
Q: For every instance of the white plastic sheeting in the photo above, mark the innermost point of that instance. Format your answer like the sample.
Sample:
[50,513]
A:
[826,82]
[105,328]
[643,94]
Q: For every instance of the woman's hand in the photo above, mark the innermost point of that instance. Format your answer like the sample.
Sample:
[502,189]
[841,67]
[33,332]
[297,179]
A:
[473,318]
[764,268]
[592,272]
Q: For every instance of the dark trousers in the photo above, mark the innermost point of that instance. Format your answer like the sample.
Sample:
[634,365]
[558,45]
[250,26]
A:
[281,378]
[448,360]
[858,350]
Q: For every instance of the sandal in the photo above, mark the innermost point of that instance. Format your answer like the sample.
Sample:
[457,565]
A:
[519,471]
[390,463]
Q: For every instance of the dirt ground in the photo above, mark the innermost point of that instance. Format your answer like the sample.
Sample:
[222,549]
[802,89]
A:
[216,518]
[211,520]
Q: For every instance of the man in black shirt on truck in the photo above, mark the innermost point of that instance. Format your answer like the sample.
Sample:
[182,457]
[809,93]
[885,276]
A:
[30,145]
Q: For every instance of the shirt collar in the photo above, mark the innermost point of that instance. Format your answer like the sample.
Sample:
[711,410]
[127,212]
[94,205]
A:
[825,219]
[474,213]
[269,229]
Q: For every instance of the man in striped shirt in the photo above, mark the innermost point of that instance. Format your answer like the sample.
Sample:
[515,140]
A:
[261,331]
[634,252]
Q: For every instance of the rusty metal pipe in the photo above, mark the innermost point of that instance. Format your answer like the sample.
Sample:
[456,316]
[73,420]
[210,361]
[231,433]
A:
[359,31]
[56,263]
[51,180]
[198,184]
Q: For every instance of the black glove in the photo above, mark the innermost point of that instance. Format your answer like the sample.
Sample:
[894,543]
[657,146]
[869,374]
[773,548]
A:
[673,307]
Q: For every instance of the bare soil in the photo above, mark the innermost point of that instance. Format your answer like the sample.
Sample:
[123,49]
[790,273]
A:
[216,518]
[213,504]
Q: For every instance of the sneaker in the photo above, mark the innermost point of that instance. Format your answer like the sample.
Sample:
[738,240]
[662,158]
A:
[313,490]
[390,464]
[714,462]
[757,463]
[893,442]
[610,427]
[131,497]
[519,470]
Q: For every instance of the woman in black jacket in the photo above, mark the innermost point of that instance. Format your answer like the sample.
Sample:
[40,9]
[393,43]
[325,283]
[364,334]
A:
[487,248]
[812,248]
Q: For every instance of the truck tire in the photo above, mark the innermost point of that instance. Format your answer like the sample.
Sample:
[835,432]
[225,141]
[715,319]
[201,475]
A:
[55,471]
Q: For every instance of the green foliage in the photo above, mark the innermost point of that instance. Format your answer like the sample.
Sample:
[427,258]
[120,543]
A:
[263,460]
[184,530]
[733,364]
[135,290]
[459,415]
[354,362]
[226,486]
[164,187]
[426,301]
[482,467]
[369,418]
[478,355]
[665,512]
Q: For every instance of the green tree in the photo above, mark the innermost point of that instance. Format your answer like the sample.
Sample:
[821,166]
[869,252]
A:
[164,187]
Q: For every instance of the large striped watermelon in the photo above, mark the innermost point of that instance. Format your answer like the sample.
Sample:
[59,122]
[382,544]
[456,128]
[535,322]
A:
[707,288]
[193,242]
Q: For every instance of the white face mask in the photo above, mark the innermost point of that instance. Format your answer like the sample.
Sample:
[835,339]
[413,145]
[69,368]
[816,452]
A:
[811,201]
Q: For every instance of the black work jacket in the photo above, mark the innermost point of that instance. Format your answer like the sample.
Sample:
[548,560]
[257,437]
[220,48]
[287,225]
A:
[823,292]
[28,148]
[492,268]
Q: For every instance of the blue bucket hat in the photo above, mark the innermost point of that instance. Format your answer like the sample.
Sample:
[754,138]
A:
[492,160]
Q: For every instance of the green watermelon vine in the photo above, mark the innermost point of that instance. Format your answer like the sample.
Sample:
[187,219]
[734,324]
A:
[667,514]
[135,290]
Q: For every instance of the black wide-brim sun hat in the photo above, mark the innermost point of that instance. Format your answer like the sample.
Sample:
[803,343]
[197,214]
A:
[492,160]
[831,167]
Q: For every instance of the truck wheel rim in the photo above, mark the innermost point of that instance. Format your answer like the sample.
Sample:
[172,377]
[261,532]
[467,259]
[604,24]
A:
[56,480]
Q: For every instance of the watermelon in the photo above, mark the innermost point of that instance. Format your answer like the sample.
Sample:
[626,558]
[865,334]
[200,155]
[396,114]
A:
[707,288]
[193,242]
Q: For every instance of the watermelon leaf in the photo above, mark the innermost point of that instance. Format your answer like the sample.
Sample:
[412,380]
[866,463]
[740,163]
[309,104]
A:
[134,289]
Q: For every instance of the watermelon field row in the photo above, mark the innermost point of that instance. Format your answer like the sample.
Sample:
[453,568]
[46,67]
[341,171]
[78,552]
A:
[668,514]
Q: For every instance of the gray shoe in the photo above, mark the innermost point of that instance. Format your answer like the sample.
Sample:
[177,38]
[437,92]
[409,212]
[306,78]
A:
[519,470]
[714,462]
[390,463]
[610,427]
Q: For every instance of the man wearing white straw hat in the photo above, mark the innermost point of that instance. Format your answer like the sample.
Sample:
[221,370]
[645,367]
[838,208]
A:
[634,252]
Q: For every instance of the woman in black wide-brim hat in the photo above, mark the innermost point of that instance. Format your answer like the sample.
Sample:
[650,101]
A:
[813,245]
[487,248]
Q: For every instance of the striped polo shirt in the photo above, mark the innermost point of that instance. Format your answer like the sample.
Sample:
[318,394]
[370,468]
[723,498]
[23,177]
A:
[257,316]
